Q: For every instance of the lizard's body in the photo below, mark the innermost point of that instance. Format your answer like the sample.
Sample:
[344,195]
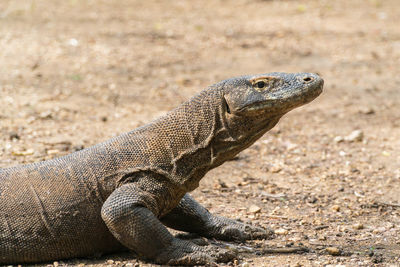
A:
[112,196]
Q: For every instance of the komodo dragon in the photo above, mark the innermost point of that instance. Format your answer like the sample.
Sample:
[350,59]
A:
[119,194]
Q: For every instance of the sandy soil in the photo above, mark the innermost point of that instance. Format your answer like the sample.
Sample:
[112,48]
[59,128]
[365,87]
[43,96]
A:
[74,73]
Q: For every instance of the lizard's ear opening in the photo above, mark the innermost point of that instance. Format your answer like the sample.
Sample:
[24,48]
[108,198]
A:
[228,110]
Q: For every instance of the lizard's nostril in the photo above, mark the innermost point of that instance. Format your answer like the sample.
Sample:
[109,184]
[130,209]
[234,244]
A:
[307,79]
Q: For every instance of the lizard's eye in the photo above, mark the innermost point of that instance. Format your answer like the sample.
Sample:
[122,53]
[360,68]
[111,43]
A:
[260,84]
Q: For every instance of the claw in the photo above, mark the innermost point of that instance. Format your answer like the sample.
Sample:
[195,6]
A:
[227,229]
[182,252]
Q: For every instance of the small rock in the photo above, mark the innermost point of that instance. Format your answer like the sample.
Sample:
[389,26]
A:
[222,184]
[73,42]
[110,262]
[23,153]
[46,114]
[355,136]
[379,230]
[334,251]
[359,194]
[338,139]
[275,169]
[52,151]
[14,135]
[78,147]
[55,264]
[336,208]
[254,209]
[291,146]
[367,110]
[245,264]
[358,226]
[281,231]
[251,216]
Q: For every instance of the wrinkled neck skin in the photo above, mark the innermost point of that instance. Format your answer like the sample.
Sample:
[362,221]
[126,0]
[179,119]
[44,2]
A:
[245,130]
[220,136]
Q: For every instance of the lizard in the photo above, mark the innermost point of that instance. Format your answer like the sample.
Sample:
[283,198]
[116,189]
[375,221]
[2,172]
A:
[123,193]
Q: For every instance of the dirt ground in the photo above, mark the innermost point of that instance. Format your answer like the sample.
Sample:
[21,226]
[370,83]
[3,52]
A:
[327,177]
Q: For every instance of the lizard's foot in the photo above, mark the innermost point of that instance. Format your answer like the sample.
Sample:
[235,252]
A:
[183,252]
[194,238]
[227,229]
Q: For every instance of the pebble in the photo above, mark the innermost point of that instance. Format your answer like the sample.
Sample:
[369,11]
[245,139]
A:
[336,208]
[281,231]
[275,169]
[358,226]
[78,147]
[73,42]
[254,209]
[379,230]
[52,151]
[291,146]
[110,262]
[355,136]
[367,110]
[55,264]
[23,152]
[334,251]
[338,139]
[14,135]
[46,115]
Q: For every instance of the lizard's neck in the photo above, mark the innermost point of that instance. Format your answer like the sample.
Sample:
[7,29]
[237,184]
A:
[228,145]
[209,139]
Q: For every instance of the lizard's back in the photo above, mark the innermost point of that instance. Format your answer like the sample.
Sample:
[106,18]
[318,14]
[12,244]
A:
[51,209]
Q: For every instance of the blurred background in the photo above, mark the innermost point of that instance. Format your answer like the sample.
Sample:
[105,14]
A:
[74,73]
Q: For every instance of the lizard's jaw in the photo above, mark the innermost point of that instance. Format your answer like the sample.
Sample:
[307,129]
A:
[287,100]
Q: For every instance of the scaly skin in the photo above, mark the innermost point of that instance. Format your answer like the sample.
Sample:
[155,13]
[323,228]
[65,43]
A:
[119,194]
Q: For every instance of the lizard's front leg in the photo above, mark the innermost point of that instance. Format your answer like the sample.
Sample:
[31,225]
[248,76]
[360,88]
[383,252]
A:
[129,212]
[190,216]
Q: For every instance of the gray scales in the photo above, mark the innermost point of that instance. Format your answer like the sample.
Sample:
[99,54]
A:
[122,193]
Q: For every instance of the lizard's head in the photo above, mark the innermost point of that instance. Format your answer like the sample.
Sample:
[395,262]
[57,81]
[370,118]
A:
[254,104]
[273,93]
